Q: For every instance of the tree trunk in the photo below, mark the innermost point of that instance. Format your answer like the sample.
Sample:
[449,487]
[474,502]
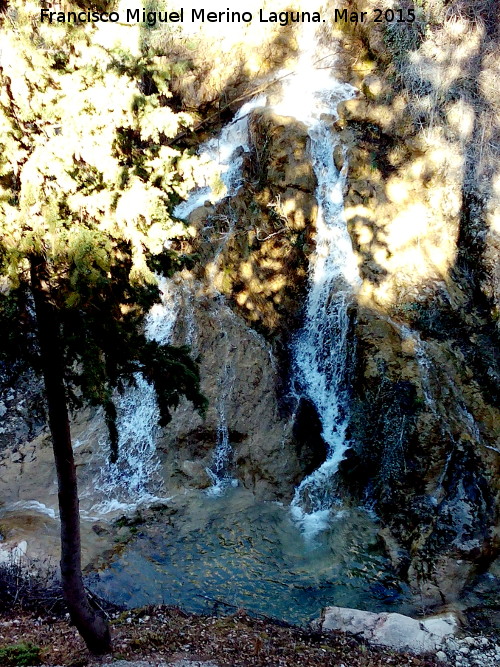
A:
[90,624]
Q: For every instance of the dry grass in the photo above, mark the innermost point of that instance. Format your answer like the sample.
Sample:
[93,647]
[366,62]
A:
[29,586]
[162,633]
[448,65]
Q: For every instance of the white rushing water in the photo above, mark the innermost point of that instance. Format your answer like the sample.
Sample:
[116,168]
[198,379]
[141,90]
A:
[320,349]
[134,479]
[222,455]
[224,155]
[309,92]
[225,152]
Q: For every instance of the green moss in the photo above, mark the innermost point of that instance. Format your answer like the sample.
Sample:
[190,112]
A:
[129,522]
[20,655]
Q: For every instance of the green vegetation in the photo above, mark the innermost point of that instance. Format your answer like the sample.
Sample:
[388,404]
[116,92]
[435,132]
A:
[88,180]
[20,655]
[87,183]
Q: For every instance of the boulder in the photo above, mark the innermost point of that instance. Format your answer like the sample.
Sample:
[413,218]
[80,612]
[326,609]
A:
[396,631]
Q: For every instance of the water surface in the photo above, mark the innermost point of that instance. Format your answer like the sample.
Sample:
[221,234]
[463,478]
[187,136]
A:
[221,553]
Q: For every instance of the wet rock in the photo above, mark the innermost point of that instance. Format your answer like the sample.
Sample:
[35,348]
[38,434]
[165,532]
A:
[100,529]
[289,165]
[338,157]
[241,380]
[198,217]
[434,487]
[197,474]
[22,414]
[400,558]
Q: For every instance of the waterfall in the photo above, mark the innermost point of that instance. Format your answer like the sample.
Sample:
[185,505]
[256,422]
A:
[134,479]
[320,349]
[225,153]
[221,459]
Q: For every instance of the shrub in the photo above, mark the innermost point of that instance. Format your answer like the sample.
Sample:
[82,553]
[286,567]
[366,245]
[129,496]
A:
[20,655]
[29,586]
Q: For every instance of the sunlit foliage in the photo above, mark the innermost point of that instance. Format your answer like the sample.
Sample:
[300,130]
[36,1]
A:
[88,182]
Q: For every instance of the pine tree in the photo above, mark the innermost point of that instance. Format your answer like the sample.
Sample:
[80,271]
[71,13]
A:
[87,183]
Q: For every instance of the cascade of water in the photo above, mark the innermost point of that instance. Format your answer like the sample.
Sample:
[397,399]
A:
[134,478]
[225,155]
[320,349]
[321,346]
[190,338]
[221,459]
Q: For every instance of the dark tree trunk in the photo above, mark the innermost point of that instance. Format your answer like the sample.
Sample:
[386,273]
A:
[90,624]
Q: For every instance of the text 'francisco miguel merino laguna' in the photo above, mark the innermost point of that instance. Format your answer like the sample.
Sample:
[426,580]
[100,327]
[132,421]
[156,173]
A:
[197,15]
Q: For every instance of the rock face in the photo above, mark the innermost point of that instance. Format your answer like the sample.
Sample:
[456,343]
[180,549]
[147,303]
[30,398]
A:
[395,631]
[254,251]
[424,446]
[422,209]
[22,410]
[261,238]
[240,377]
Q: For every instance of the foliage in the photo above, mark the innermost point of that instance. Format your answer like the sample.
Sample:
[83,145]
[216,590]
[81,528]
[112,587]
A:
[20,655]
[87,182]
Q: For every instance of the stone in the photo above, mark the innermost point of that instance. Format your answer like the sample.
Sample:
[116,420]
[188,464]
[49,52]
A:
[3,409]
[374,87]
[199,216]
[289,164]
[197,474]
[442,625]
[441,656]
[396,631]
[354,621]
[404,633]
[338,157]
